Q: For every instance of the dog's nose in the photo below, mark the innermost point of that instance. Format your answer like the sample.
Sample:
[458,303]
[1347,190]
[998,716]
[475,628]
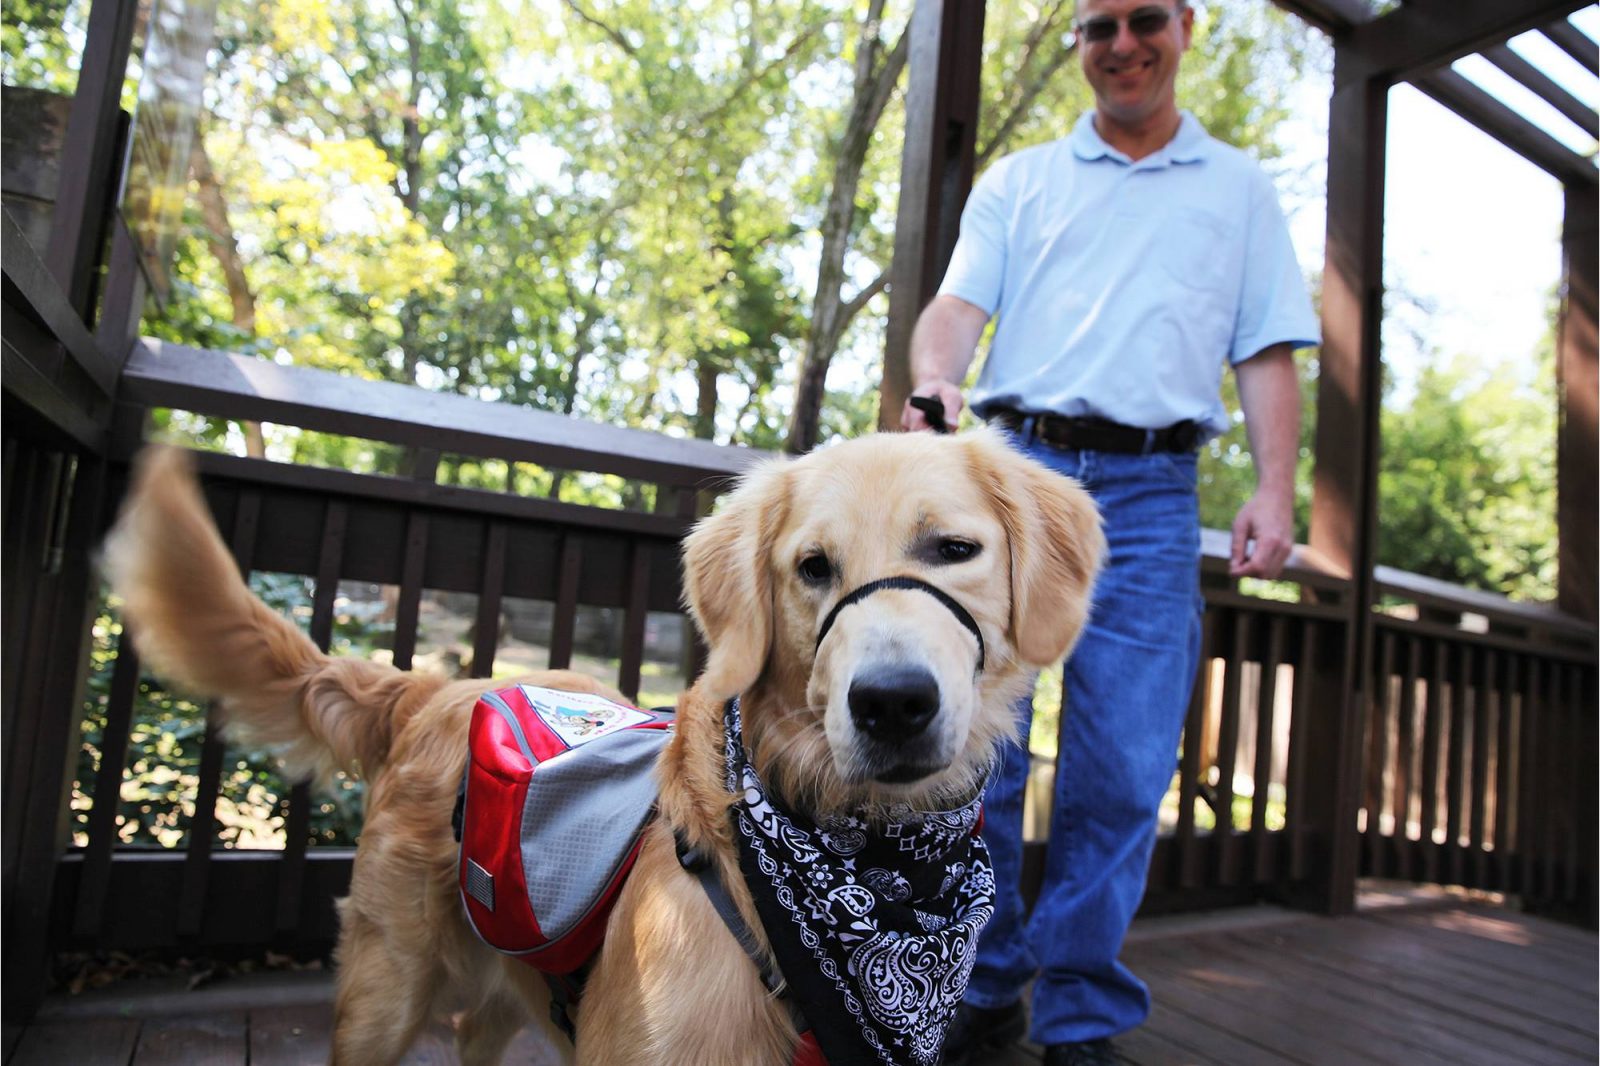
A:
[897,702]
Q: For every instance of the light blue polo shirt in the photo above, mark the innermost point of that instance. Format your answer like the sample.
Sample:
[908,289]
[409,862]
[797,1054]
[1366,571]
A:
[1122,286]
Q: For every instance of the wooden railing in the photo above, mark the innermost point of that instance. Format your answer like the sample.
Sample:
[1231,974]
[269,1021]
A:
[1481,746]
[1481,757]
[409,533]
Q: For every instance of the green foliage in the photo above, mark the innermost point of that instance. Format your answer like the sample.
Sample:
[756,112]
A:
[1467,477]
[39,40]
[587,208]
[167,733]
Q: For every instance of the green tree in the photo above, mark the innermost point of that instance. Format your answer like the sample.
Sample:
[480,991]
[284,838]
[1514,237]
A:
[1467,477]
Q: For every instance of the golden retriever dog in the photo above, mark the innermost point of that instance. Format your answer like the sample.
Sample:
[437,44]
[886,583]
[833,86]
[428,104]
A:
[1015,545]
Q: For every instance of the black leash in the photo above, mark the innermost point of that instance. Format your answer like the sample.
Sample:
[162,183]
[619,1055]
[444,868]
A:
[932,409]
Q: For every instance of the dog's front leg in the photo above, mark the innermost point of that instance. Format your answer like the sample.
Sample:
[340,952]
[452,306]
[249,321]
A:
[671,985]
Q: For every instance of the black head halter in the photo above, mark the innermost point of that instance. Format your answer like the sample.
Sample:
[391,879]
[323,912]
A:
[882,583]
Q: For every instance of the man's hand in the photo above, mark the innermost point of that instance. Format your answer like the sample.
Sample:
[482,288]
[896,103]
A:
[942,345]
[1269,394]
[1263,536]
[948,394]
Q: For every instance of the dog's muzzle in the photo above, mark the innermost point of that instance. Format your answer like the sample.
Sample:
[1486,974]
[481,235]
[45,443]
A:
[861,593]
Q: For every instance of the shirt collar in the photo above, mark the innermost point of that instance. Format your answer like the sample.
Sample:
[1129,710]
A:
[1189,145]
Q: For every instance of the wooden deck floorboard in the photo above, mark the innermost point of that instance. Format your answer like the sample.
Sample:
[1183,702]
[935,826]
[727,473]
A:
[1449,983]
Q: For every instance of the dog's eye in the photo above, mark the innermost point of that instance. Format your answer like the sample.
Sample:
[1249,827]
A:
[957,551]
[816,569]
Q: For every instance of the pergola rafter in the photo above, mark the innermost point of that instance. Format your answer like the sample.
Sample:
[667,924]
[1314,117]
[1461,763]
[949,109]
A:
[1575,43]
[1546,88]
[1480,108]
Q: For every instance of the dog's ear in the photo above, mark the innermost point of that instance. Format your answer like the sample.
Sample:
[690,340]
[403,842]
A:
[728,578]
[1056,548]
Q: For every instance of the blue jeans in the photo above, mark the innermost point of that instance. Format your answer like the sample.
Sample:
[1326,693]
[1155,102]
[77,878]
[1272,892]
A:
[1126,690]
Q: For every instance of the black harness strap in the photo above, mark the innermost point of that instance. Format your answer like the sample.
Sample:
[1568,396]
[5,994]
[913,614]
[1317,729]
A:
[882,583]
[698,863]
[565,991]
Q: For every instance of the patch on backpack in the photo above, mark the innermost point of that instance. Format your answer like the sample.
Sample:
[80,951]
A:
[480,884]
[579,717]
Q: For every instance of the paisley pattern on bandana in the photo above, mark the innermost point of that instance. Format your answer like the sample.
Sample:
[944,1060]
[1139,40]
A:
[875,929]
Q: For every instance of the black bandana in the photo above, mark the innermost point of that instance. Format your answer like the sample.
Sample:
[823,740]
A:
[875,933]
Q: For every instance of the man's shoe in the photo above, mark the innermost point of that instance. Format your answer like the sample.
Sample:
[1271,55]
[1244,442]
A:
[978,1029]
[1088,1053]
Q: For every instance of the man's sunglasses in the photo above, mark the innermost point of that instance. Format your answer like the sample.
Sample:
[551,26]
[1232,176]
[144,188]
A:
[1145,22]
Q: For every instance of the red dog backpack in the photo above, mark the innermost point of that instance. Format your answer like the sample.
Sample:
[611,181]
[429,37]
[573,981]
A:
[558,790]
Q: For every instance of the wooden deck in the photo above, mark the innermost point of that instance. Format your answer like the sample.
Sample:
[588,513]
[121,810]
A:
[1412,980]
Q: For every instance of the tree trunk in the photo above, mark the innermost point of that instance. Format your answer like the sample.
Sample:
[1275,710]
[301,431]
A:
[830,311]
[224,246]
[706,373]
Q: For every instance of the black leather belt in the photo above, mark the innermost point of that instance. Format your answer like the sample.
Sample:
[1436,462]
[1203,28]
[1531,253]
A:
[1098,434]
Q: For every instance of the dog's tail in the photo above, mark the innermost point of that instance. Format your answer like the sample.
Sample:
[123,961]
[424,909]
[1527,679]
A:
[199,626]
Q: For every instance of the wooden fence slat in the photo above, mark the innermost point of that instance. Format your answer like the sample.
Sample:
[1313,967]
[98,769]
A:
[12,451]
[1378,718]
[24,503]
[202,825]
[1585,885]
[1189,768]
[486,630]
[1549,843]
[408,604]
[1299,734]
[1266,708]
[330,562]
[569,569]
[25,537]
[1575,786]
[1456,764]
[89,908]
[1505,774]
[297,826]
[1225,845]
[633,622]
[1432,739]
[1531,780]
[1405,760]
[1483,707]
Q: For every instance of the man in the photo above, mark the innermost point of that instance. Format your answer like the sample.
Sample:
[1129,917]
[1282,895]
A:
[1126,263]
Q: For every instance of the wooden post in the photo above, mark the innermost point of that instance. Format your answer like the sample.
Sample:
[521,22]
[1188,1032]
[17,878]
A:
[49,702]
[1577,471]
[90,156]
[942,102]
[1344,500]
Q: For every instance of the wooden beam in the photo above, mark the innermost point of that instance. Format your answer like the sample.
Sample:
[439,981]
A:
[1546,88]
[33,290]
[1575,43]
[936,166]
[1421,35]
[51,690]
[1506,126]
[1344,500]
[90,155]
[160,374]
[46,413]
[1333,16]
[1577,468]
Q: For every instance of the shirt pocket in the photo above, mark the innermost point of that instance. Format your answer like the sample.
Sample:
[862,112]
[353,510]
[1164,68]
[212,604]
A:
[1197,252]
